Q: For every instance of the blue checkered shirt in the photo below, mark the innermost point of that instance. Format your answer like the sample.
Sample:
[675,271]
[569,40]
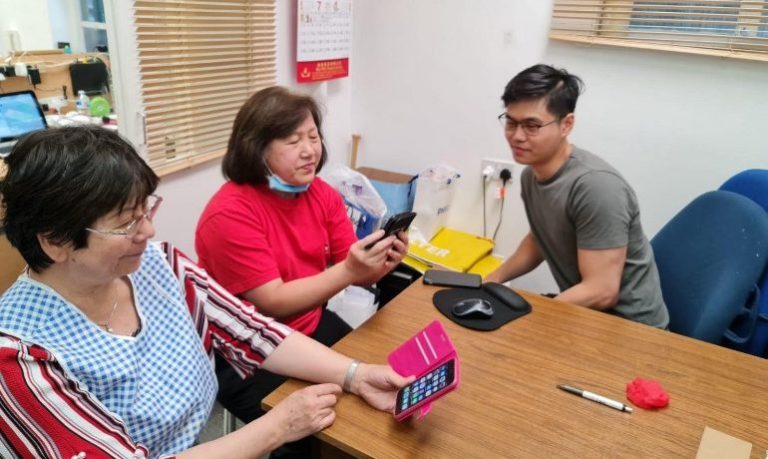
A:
[160,383]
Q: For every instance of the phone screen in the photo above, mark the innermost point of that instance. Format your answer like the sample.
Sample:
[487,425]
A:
[426,387]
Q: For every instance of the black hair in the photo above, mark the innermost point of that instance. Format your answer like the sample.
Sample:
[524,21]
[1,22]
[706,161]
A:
[560,88]
[60,181]
[269,114]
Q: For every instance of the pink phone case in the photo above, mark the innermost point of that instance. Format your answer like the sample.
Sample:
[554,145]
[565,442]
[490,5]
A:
[423,352]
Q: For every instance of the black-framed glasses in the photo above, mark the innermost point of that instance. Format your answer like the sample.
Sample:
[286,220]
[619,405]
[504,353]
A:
[130,228]
[530,128]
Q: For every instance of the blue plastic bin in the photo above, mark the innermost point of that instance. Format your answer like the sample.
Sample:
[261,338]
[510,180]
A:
[397,190]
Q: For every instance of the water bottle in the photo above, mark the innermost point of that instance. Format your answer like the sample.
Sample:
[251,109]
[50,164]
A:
[82,103]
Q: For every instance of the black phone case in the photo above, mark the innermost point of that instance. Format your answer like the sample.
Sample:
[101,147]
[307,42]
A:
[395,224]
[399,222]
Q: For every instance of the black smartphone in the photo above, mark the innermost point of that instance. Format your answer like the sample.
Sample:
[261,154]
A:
[394,225]
[425,389]
[452,279]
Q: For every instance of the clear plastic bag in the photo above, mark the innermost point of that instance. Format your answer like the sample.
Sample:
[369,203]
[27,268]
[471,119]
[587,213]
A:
[434,194]
[364,205]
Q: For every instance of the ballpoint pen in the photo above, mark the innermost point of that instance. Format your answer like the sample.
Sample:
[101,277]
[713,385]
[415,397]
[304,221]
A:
[595,398]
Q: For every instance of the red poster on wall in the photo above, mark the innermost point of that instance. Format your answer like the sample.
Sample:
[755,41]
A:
[307,72]
[324,39]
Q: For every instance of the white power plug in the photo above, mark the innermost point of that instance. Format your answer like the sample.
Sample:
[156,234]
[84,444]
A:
[488,173]
[492,168]
[21,69]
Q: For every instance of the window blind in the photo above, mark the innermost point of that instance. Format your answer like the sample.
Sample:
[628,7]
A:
[199,61]
[718,27]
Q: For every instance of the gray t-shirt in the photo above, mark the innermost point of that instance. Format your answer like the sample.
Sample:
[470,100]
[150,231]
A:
[587,204]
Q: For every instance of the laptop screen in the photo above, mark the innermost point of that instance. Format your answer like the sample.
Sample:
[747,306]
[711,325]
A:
[19,114]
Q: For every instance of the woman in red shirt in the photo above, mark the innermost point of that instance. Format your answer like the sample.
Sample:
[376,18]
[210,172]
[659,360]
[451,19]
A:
[278,236]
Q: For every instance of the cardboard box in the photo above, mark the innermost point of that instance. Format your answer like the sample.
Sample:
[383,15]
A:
[396,189]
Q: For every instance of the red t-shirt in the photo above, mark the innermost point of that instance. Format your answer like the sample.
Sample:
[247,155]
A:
[249,235]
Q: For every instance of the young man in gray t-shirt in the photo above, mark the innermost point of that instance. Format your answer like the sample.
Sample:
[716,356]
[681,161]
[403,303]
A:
[584,217]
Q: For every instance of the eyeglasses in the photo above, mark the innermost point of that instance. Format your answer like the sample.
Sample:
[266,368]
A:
[529,127]
[130,228]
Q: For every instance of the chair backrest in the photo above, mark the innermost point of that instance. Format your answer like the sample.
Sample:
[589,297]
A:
[709,256]
[753,183]
[11,264]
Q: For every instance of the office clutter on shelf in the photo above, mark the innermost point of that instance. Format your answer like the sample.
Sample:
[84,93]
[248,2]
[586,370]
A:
[57,79]
[74,118]
[90,75]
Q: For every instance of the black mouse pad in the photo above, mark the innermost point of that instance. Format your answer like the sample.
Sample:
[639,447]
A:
[503,311]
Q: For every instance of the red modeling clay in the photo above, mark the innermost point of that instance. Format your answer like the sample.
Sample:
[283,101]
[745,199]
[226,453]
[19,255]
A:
[647,393]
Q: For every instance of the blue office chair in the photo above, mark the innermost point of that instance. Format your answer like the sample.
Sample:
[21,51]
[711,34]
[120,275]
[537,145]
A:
[710,255]
[753,183]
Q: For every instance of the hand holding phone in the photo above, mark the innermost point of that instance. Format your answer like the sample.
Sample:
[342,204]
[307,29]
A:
[394,225]
[425,389]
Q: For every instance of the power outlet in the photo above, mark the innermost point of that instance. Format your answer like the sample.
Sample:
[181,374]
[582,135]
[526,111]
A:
[494,168]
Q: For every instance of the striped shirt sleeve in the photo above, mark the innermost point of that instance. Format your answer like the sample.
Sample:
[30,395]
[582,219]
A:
[226,324]
[44,413]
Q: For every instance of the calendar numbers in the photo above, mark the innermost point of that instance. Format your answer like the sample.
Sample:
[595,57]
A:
[324,30]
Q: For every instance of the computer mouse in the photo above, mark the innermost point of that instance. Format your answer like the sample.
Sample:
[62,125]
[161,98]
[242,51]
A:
[473,308]
[507,296]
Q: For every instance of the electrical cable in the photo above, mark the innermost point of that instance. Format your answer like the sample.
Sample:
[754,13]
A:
[485,185]
[501,215]
[505,175]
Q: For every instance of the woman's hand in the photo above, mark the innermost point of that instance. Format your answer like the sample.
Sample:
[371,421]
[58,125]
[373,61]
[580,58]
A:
[368,265]
[398,250]
[305,411]
[378,385]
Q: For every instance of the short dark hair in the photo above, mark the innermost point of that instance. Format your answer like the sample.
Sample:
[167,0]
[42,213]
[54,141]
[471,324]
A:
[560,88]
[272,113]
[60,181]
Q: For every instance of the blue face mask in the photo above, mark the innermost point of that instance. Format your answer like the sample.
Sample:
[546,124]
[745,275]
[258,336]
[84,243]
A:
[277,184]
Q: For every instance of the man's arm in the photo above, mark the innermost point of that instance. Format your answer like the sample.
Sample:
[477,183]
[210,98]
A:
[600,279]
[525,259]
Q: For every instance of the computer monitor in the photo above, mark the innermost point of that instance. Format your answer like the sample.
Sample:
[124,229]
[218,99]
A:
[91,77]
[19,114]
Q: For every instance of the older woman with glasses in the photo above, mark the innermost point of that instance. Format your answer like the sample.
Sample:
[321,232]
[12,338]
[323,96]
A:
[106,341]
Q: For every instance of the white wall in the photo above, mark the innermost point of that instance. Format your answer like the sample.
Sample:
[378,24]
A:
[4,40]
[31,19]
[675,125]
[427,83]
[428,76]
[65,23]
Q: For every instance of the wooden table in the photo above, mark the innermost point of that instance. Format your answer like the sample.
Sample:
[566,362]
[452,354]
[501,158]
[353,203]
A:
[508,405]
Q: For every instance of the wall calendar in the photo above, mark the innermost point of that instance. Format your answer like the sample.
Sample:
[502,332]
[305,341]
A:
[324,39]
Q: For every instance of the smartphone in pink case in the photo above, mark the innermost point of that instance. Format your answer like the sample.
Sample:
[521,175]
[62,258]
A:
[431,356]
